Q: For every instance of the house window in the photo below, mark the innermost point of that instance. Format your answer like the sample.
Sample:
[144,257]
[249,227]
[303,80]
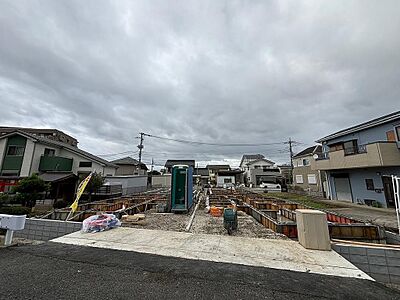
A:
[390,136]
[300,163]
[49,152]
[299,178]
[350,147]
[85,164]
[312,179]
[306,162]
[370,184]
[15,150]
[227,180]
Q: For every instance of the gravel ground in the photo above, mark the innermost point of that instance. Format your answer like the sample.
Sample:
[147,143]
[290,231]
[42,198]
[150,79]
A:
[247,226]
[162,221]
[205,223]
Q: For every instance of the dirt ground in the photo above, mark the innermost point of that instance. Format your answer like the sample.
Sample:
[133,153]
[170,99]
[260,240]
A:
[205,223]
[162,221]
[19,242]
[247,226]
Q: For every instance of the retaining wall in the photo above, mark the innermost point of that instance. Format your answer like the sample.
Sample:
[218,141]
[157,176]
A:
[44,230]
[382,264]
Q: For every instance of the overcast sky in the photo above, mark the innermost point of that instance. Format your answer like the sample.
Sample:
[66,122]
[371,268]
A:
[212,71]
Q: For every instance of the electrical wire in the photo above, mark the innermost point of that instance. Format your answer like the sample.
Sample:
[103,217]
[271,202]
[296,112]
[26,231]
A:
[216,144]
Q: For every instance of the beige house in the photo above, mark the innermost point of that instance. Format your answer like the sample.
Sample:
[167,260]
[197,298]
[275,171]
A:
[304,176]
[129,166]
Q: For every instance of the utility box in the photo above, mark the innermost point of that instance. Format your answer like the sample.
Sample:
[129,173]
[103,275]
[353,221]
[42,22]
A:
[181,188]
[312,229]
[12,222]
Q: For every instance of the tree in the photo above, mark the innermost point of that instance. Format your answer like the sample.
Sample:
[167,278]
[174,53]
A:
[154,172]
[29,189]
[96,181]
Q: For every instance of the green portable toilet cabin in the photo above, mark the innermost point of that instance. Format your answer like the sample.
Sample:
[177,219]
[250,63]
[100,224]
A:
[181,188]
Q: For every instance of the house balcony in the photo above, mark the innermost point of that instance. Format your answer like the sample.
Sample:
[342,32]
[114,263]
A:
[55,163]
[380,154]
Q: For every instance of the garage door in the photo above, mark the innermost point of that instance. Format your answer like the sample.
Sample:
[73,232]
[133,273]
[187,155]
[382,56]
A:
[343,191]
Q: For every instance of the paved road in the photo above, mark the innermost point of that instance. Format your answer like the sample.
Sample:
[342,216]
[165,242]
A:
[58,271]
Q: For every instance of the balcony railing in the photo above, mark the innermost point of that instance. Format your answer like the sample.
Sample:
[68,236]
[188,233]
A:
[355,150]
[371,155]
[55,163]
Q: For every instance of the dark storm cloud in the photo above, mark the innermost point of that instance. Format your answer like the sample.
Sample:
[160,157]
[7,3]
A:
[233,71]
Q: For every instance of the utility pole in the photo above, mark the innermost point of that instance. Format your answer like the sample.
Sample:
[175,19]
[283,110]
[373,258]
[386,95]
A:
[152,165]
[140,146]
[290,143]
[291,152]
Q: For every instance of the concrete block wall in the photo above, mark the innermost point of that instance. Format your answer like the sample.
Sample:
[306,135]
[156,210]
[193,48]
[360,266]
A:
[382,264]
[44,230]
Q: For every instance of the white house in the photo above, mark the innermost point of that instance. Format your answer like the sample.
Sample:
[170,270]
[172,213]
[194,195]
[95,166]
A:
[23,154]
[258,169]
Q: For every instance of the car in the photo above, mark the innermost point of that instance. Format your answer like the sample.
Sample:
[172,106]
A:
[271,187]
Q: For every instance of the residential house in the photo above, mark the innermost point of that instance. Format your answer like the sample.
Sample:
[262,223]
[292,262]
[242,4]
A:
[52,134]
[359,161]
[129,166]
[201,176]
[304,176]
[227,178]
[258,169]
[23,154]
[172,162]
[286,172]
[214,169]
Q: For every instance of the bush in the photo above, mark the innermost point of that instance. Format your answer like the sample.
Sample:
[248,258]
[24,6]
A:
[60,204]
[4,199]
[30,189]
[15,210]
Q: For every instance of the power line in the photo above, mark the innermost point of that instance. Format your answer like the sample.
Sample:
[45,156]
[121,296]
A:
[120,153]
[215,144]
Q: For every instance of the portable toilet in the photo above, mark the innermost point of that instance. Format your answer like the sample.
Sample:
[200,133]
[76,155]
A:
[181,188]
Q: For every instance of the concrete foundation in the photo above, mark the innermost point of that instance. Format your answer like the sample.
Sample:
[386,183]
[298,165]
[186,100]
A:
[312,229]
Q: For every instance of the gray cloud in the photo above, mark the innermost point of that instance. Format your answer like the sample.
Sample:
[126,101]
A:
[217,71]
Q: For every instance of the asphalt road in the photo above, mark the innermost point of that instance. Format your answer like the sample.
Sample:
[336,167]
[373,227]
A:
[58,271]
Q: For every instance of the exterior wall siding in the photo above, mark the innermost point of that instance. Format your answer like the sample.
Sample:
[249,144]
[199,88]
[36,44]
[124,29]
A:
[28,155]
[305,171]
[130,184]
[358,185]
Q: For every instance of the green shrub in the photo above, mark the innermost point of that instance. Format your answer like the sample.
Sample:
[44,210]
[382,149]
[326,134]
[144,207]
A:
[15,210]
[60,204]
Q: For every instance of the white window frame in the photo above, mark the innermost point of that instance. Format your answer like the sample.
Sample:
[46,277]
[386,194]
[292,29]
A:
[299,179]
[314,181]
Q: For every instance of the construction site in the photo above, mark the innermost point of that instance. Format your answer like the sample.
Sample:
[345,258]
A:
[260,216]
[223,225]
